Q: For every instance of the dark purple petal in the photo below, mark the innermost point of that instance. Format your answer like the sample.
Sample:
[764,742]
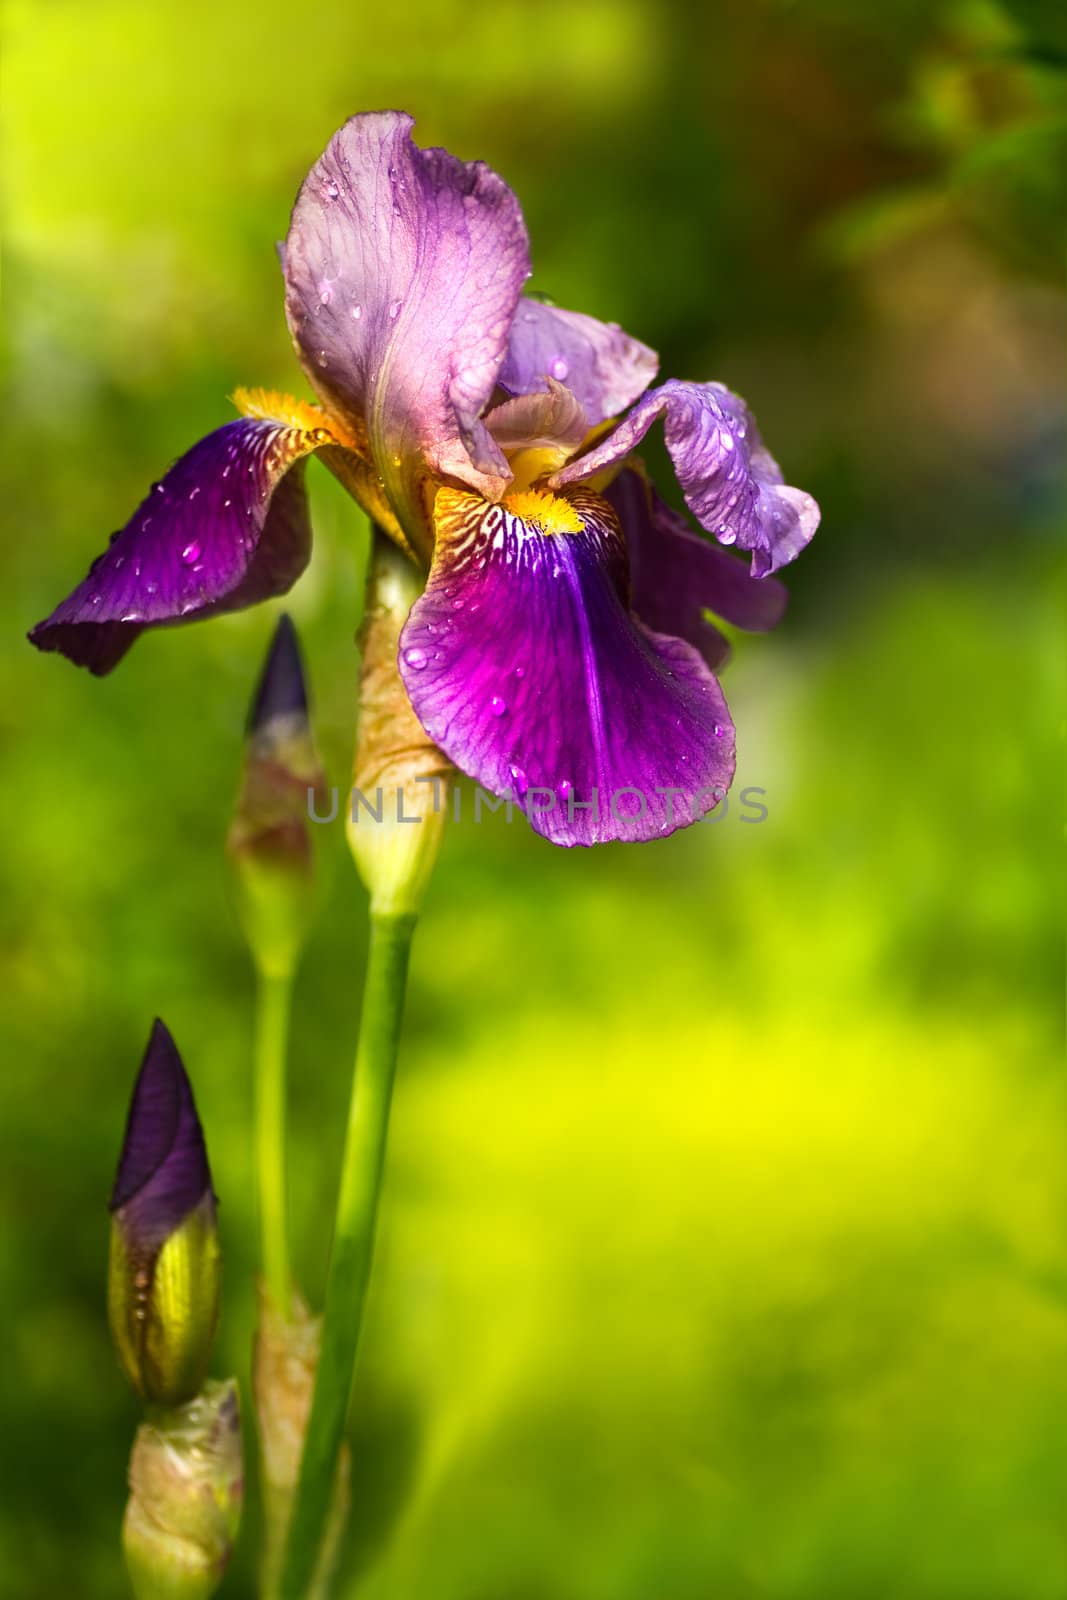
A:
[731,483]
[676,575]
[282,689]
[525,667]
[598,362]
[403,269]
[163,1171]
[226,528]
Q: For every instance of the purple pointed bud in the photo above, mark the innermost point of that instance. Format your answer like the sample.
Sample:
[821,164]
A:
[282,691]
[270,839]
[163,1289]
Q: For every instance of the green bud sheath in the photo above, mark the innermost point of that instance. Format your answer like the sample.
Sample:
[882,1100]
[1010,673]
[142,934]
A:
[164,1311]
[186,1491]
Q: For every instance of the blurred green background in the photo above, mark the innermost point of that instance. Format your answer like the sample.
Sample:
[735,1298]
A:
[722,1250]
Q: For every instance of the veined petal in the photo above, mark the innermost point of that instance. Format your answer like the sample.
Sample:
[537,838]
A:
[731,482]
[403,269]
[598,362]
[226,528]
[676,575]
[525,667]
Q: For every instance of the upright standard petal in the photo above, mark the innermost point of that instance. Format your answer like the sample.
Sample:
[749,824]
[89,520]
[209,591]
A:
[403,270]
[676,576]
[731,482]
[227,527]
[601,365]
[524,665]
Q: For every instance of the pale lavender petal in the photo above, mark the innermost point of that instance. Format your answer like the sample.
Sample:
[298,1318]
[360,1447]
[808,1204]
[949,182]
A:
[551,418]
[524,665]
[676,575]
[731,482]
[403,270]
[226,528]
[601,364]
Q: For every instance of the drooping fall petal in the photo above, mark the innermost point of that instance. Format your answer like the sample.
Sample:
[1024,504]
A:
[731,482]
[524,665]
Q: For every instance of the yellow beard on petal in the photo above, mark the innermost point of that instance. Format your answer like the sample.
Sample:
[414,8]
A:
[543,511]
[273,406]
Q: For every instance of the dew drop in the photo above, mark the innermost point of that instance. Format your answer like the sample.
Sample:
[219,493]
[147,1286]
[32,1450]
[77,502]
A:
[415,658]
[719,731]
[498,706]
[520,672]
[321,358]
[191,553]
[325,294]
[331,190]
[559,369]
[520,780]
[394,309]
[357,311]
[564,788]
[458,604]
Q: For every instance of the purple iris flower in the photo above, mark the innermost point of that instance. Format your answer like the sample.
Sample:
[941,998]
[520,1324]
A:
[560,650]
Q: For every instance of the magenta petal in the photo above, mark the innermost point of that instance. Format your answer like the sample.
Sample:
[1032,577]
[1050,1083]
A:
[598,362]
[226,528]
[731,482]
[676,575]
[403,269]
[524,665]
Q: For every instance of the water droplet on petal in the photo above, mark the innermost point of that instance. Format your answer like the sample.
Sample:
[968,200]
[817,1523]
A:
[357,311]
[498,706]
[719,731]
[564,788]
[415,658]
[520,780]
[191,553]
[330,190]
[394,309]
[194,491]
[520,672]
[559,369]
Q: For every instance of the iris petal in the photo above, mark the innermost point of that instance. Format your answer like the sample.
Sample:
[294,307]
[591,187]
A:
[598,362]
[226,528]
[731,482]
[524,665]
[676,575]
[403,269]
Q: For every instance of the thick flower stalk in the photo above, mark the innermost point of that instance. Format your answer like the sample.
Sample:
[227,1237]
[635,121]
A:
[559,651]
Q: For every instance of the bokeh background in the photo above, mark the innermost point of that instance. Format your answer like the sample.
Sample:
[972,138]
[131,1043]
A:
[722,1250]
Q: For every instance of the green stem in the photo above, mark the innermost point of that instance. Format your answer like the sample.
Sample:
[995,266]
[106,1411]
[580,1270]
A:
[272,1037]
[353,1242]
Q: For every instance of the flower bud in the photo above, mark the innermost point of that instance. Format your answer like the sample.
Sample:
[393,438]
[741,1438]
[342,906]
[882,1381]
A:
[165,1267]
[284,1361]
[399,774]
[186,1489]
[270,839]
